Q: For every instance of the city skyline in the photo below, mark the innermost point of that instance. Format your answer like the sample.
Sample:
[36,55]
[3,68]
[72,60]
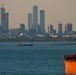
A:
[63,11]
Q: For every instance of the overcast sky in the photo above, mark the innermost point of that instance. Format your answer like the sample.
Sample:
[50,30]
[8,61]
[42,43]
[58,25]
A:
[55,10]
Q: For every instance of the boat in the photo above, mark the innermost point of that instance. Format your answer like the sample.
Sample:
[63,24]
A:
[25,44]
[70,63]
[64,43]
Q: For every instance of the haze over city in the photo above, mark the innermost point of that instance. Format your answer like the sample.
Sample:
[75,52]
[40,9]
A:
[55,10]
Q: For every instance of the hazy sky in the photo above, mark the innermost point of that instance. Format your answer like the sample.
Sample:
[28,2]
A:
[55,10]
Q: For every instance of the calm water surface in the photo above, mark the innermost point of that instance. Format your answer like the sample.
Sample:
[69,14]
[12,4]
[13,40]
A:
[40,59]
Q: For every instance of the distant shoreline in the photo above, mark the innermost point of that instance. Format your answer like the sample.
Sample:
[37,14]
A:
[38,40]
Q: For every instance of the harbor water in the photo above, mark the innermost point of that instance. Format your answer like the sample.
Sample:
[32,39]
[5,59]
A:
[39,59]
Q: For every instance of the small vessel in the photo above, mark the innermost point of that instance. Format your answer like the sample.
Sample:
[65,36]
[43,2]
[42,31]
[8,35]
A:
[64,43]
[70,64]
[25,44]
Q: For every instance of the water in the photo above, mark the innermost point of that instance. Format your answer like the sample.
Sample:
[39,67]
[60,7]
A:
[40,59]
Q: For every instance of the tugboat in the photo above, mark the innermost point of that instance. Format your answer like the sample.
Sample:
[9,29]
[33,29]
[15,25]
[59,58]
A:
[70,64]
[25,44]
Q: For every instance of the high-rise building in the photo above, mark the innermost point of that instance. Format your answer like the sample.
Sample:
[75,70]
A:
[59,28]
[30,22]
[2,10]
[4,19]
[50,29]
[42,21]
[68,28]
[35,19]
[22,28]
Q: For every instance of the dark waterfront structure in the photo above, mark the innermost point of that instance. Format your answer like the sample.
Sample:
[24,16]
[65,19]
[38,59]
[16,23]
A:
[14,33]
[42,22]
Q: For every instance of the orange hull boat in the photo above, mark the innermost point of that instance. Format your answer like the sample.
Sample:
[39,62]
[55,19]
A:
[70,64]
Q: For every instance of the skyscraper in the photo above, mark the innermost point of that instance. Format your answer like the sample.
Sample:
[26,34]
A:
[68,28]
[42,21]
[30,22]
[50,29]
[59,28]
[22,28]
[4,19]
[35,19]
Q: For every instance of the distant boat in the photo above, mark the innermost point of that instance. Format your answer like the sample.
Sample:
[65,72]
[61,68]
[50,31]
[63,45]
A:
[25,44]
[70,64]
[64,43]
